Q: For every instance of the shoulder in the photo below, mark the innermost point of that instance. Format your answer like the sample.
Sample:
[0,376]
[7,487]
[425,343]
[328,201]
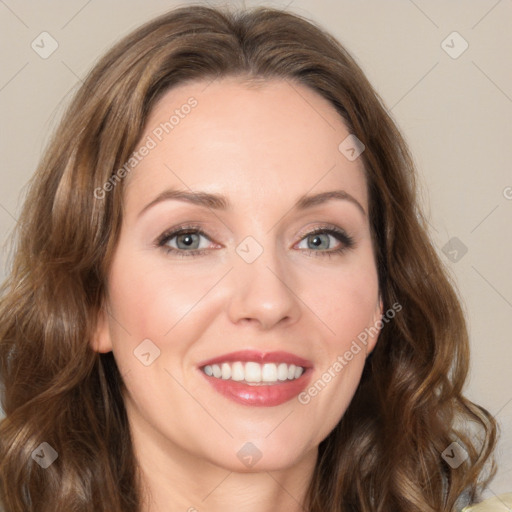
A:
[501,503]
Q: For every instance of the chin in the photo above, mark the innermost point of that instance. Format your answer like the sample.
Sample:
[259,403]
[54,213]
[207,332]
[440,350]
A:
[260,455]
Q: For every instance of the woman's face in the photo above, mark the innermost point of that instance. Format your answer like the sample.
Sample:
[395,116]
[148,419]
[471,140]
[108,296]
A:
[238,338]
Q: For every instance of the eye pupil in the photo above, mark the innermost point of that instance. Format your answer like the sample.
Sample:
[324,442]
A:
[317,241]
[187,239]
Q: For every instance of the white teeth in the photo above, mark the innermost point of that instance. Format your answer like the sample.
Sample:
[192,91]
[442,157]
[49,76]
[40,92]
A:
[269,372]
[254,373]
[282,371]
[237,371]
[226,371]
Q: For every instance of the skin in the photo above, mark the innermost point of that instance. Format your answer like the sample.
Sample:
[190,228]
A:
[262,147]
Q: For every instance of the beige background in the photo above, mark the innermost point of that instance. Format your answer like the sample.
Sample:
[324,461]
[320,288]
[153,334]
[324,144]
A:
[454,112]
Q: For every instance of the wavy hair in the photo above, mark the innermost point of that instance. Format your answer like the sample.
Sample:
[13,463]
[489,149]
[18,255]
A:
[386,452]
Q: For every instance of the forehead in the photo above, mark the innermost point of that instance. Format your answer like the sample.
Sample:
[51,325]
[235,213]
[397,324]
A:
[259,142]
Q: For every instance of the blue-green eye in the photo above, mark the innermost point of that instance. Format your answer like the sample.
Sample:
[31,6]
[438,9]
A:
[190,240]
[187,237]
[187,241]
[320,238]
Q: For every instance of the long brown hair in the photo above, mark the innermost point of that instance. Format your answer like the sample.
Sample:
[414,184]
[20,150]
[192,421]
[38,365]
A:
[386,452]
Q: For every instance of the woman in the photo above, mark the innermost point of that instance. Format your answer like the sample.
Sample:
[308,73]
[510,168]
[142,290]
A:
[174,334]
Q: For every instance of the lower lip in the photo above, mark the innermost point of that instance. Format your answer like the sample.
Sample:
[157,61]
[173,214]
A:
[264,395]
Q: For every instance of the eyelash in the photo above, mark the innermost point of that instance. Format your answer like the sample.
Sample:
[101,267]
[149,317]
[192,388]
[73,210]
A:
[346,240]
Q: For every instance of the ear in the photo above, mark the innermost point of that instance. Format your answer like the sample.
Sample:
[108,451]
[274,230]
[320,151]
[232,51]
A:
[377,321]
[101,340]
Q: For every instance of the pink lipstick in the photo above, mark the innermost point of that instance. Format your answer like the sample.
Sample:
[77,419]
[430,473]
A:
[256,378]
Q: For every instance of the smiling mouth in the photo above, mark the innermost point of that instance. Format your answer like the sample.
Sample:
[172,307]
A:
[256,378]
[253,373]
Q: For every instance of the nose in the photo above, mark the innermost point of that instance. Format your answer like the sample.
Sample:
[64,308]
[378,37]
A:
[263,291]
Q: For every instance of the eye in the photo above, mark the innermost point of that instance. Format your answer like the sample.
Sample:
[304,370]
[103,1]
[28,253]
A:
[321,238]
[187,241]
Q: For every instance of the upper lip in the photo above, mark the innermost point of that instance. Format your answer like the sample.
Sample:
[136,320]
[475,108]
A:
[259,357]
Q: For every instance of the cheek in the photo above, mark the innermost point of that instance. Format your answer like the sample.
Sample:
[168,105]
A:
[347,302]
[348,308]
[149,299]
[156,301]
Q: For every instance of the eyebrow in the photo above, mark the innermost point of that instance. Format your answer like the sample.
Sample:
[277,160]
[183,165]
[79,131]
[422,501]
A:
[221,202]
